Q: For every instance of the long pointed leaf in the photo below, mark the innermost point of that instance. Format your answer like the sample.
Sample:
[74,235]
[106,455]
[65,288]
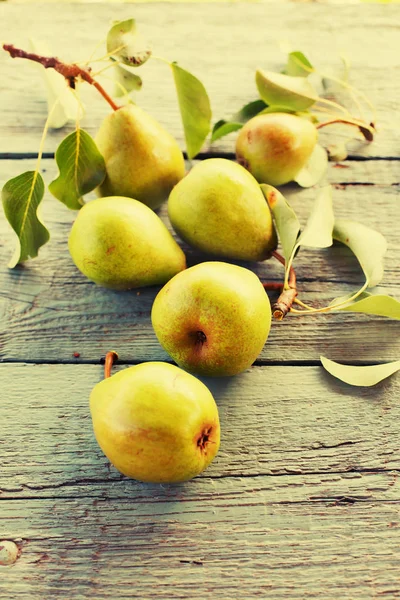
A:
[286,221]
[360,376]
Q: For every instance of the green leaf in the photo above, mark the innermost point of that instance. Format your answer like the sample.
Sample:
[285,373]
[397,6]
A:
[360,376]
[21,198]
[59,94]
[82,169]
[286,221]
[379,304]
[222,128]
[298,65]
[195,109]
[318,230]
[126,81]
[247,112]
[368,245]
[315,168]
[295,93]
[127,45]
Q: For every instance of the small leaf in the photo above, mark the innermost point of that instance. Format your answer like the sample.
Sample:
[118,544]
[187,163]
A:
[247,112]
[125,81]
[379,304]
[21,198]
[81,166]
[337,152]
[368,245]
[318,230]
[222,128]
[360,376]
[298,65]
[57,90]
[295,93]
[315,168]
[195,109]
[286,221]
[127,45]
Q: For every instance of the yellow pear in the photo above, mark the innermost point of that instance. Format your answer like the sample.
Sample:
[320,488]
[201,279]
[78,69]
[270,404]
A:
[156,423]
[143,161]
[120,243]
[220,209]
[274,147]
[213,319]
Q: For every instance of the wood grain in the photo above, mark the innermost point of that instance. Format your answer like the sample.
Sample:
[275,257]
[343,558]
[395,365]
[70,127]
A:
[196,35]
[238,547]
[51,311]
[274,421]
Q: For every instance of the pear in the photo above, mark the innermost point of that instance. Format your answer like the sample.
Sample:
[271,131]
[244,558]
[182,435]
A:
[274,147]
[219,208]
[120,243]
[143,161]
[213,319]
[156,423]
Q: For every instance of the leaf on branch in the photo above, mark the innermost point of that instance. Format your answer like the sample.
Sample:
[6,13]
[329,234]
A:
[21,198]
[298,65]
[195,109]
[57,90]
[318,230]
[276,89]
[315,168]
[247,112]
[127,45]
[360,376]
[126,81]
[286,221]
[379,304]
[222,128]
[369,247]
[81,166]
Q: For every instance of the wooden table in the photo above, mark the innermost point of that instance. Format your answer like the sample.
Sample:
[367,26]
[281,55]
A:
[303,499]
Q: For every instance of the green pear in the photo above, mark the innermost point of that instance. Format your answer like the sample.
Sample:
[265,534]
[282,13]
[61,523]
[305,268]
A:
[143,161]
[120,243]
[274,147]
[156,423]
[219,209]
[213,319]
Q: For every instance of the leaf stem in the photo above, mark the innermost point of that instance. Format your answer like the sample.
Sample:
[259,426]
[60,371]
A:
[69,71]
[111,357]
[367,130]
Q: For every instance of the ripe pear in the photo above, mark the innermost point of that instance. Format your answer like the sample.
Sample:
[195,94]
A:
[219,208]
[274,147]
[156,423]
[143,161]
[120,243]
[213,319]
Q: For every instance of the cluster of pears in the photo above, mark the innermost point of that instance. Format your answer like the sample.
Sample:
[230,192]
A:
[154,421]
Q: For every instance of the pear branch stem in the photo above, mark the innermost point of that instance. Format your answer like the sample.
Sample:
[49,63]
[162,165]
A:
[111,357]
[366,130]
[285,301]
[69,71]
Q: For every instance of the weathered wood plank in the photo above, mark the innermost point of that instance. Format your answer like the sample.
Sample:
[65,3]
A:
[227,68]
[274,421]
[245,549]
[69,314]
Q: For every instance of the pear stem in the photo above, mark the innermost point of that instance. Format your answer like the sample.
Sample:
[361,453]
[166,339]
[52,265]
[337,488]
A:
[285,301]
[69,71]
[111,357]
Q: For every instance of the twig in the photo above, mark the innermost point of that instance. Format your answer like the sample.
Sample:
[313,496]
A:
[69,71]
[285,301]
